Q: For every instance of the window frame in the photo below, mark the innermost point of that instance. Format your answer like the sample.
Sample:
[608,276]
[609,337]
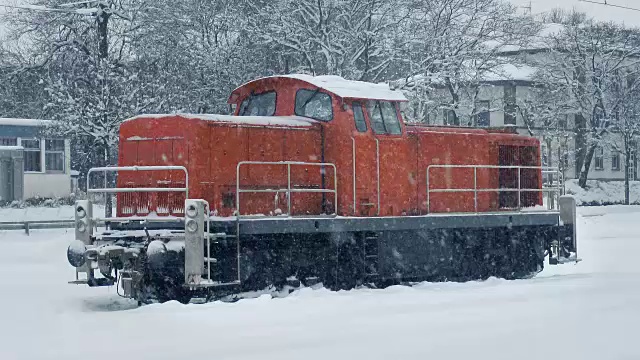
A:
[275,102]
[32,150]
[598,159]
[384,123]
[364,119]
[62,152]
[510,97]
[319,92]
[486,112]
[6,139]
[446,114]
[616,156]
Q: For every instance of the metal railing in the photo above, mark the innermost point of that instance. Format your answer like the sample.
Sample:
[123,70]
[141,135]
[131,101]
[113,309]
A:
[288,190]
[557,189]
[29,225]
[106,190]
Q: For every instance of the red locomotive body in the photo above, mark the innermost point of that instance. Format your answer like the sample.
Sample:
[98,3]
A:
[317,179]
[381,165]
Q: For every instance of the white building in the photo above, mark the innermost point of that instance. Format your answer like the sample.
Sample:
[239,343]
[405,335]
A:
[47,162]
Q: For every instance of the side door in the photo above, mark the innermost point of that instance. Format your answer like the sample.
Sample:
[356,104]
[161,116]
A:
[395,173]
[364,153]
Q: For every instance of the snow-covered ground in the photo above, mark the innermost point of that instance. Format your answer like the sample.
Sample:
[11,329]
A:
[585,311]
[603,192]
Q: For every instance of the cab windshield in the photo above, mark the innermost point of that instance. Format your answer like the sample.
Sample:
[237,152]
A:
[263,104]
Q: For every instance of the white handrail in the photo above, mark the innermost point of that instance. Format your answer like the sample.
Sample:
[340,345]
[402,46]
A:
[475,190]
[138,168]
[117,190]
[288,190]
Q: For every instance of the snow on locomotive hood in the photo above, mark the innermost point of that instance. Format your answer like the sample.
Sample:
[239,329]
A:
[294,121]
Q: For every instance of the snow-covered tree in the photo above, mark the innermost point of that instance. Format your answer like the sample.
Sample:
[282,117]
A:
[452,46]
[349,38]
[585,59]
[625,122]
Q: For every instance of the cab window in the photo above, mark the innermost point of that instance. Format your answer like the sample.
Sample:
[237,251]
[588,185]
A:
[358,117]
[263,104]
[314,104]
[384,117]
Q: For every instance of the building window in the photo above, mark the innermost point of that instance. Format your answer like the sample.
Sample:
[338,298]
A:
[8,141]
[510,105]
[599,159]
[32,159]
[483,116]
[54,155]
[615,161]
[450,117]
[562,123]
[358,117]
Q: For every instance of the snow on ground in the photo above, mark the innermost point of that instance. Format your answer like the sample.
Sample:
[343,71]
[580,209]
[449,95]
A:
[603,192]
[584,311]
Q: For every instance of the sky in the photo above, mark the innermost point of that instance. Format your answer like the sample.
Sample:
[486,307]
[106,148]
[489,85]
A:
[600,12]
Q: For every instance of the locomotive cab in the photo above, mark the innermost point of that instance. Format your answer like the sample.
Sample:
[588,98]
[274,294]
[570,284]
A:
[357,118]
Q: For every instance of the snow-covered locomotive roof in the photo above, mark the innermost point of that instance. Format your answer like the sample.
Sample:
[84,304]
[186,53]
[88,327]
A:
[342,87]
[294,121]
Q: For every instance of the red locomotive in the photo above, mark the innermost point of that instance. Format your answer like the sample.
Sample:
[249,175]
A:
[317,179]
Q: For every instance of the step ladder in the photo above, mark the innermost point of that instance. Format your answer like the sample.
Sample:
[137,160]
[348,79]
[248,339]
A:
[212,242]
[200,246]
[370,242]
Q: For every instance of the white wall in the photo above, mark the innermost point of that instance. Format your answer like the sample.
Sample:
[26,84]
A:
[46,185]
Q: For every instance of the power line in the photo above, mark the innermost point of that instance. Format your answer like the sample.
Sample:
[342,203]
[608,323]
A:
[605,3]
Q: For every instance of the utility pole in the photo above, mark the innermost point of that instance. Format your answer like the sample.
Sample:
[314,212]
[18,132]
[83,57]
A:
[529,8]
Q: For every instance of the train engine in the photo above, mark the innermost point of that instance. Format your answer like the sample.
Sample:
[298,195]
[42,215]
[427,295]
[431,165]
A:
[316,180]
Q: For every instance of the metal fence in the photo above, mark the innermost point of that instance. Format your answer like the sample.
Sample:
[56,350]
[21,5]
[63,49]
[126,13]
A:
[29,225]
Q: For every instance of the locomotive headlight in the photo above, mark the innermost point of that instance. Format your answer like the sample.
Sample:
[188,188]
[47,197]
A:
[192,211]
[81,226]
[75,253]
[81,213]
[192,225]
